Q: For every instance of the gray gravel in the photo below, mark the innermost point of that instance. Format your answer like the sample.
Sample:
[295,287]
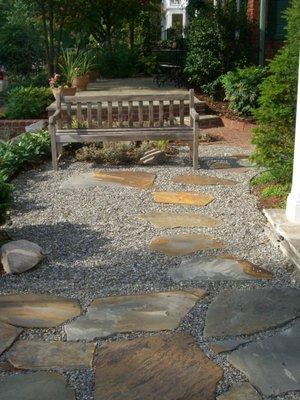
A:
[96,246]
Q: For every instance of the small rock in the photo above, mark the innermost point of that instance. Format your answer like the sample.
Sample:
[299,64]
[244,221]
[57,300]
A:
[20,255]
[153,157]
[36,126]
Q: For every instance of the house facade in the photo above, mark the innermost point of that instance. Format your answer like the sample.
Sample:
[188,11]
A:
[268,24]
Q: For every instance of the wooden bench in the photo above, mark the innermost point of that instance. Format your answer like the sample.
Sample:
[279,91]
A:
[123,118]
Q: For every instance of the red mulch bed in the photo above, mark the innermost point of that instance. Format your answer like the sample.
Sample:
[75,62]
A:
[267,202]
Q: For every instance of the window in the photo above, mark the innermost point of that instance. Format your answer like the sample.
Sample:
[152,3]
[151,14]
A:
[276,21]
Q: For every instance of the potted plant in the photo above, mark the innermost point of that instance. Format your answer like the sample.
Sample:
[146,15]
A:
[84,65]
[58,87]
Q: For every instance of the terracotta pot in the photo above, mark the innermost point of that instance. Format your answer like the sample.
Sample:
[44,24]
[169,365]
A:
[68,91]
[81,82]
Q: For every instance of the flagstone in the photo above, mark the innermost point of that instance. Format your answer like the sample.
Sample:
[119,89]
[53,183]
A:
[170,367]
[186,198]
[8,335]
[37,310]
[51,355]
[146,312]
[272,364]
[186,243]
[251,311]
[37,386]
[188,179]
[217,269]
[223,346]
[240,392]
[177,220]
[136,179]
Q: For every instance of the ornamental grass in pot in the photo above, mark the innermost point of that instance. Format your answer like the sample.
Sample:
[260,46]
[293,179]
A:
[84,66]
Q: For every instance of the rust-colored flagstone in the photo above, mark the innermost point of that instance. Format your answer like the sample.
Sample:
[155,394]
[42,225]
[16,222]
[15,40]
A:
[37,310]
[202,180]
[136,179]
[177,220]
[186,243]
[170,367]
[8,334]
[35,355]
[187,198]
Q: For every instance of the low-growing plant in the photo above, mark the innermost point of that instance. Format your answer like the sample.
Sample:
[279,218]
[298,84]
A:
[28,102]
[242,88]
[6,190]
[278,190]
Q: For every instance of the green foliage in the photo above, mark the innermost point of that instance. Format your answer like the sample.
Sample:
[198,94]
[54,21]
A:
[74,64]
[214,45]
[274,137]
[262,179]
[120,62]
[37,79]
[15,157]
[278,190]
[242,88]
[28,102]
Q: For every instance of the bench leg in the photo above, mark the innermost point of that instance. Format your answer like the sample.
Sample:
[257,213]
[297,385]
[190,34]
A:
[196,147]
[53,148]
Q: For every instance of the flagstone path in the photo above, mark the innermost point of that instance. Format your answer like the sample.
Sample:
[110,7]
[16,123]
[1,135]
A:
[157,283]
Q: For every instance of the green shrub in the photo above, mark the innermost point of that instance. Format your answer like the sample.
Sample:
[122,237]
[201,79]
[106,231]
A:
[5,198]
[120,62]
[242,88]
[39,78]
[274,137]
[28,102]
[214,47]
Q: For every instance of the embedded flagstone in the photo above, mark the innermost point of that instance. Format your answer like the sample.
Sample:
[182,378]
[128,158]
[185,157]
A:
[37,386]
[217,269]
[251,311]
[8,335]
[202,180]
[19,256]
[186,198]
[223,346]
[177,220]
[272,364]
[135,179]
[186,243]
[146,312]
[37,310]
[240,392]
[170,367]
[51,355]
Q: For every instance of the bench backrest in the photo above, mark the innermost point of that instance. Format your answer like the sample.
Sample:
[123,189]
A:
[126,110]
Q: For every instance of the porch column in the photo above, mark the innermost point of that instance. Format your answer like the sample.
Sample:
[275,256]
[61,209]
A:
[293,201]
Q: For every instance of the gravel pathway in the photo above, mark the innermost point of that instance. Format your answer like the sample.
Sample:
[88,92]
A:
[96,246]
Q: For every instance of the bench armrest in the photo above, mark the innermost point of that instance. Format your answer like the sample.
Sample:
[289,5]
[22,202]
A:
[53,119]
[194,115]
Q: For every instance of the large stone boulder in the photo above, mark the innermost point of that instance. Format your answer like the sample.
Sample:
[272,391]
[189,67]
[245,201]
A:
[19,256]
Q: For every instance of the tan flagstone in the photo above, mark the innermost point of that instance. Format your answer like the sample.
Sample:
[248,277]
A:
[170,367]
[8,335]
[36,355]
[176,220]
[187,198]
[148,312]
[136,179]
[240,392]
[202,180]
[179,245]
[37,386]
[37,310]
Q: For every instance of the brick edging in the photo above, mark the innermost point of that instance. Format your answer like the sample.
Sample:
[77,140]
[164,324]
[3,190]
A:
[16,125]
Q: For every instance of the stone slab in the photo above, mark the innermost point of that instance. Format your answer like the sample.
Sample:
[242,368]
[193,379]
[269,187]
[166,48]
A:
[240,392]
[36,355]
[217,269]
[37,386]
[183,244]
[8,335]
[37,310]
[135,179]
[223,346]
[184,220]
[202,180]
[185,198]
[272,364]
[147,312]
[251,311]
[20,255]
[168,367]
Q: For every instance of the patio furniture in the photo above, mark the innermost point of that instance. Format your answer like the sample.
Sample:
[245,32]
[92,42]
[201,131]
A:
[87,119]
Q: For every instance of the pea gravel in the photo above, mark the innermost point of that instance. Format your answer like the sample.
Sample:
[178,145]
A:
[96,246]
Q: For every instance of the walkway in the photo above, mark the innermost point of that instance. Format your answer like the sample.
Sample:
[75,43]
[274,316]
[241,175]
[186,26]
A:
[158,283]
